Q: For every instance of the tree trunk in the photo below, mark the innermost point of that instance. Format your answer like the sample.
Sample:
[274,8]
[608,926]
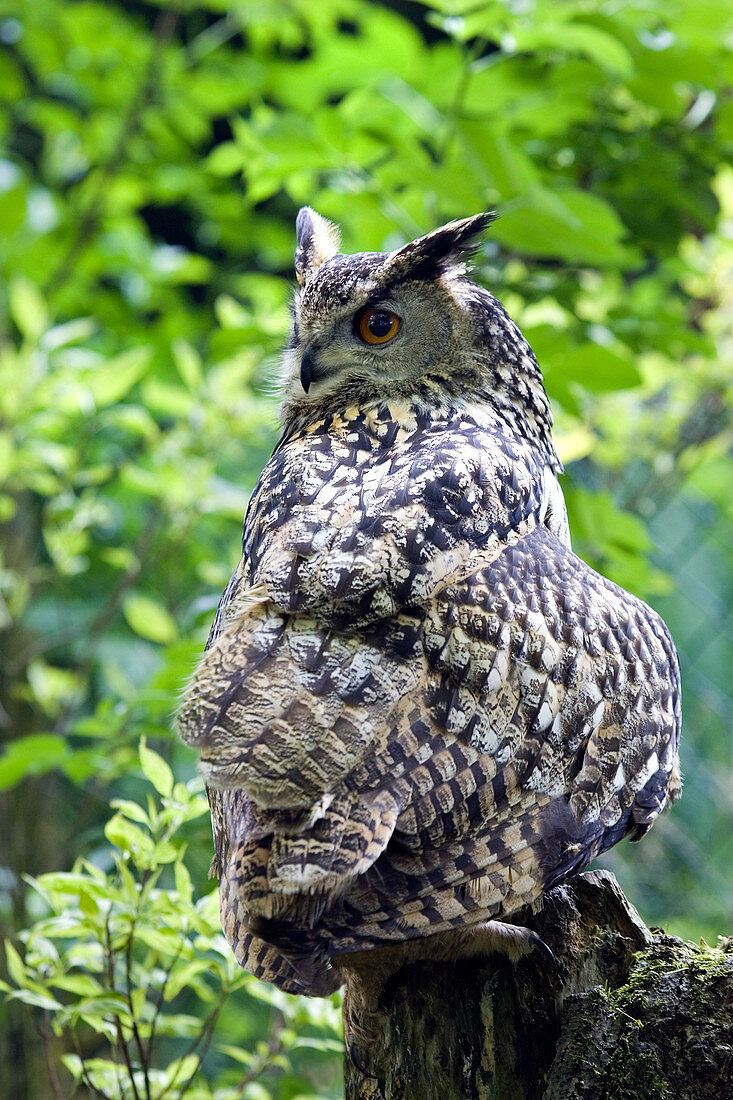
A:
[627,1015]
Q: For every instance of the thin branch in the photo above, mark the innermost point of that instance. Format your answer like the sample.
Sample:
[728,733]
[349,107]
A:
[211,38]
[456,106]
[200,1044]
[122,1042]
[84,1071]
[142,1053]
[274,1046]
[45,1037]
[156,1015]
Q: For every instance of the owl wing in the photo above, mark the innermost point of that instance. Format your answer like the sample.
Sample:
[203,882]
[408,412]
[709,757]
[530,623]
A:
[440,767]
[284,708]
[350,531]
[559,696]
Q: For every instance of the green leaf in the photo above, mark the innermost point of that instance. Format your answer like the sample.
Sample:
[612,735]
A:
[164,940]
[36,999]
[28,308]
[183,975]
[165,400]
[165,851]
[571,225]
[188,362]
[16,966]
[109,1003]
[156,770]
[603,48]
[149,619]
[128,837]
[74,1065]
[568,364]
[180,1070]
[133,810]
[324,1044]
[110,382]
[32,755]
[509,169]
[81,984]
[184,886]
[72,332]
[240,1055]
[226,159]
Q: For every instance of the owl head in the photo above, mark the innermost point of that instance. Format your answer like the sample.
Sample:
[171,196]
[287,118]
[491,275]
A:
[409,325]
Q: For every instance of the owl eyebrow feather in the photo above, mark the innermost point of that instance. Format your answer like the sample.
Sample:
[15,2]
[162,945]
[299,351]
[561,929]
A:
[381,300]
[318,241]
[449,247]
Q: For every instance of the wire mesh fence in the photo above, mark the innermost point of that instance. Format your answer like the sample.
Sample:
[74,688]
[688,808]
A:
[680,875]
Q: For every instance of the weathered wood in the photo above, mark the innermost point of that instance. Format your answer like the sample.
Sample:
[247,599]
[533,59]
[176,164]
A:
[626,1015]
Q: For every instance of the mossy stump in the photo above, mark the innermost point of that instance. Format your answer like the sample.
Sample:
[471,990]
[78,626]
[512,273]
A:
[628,1014]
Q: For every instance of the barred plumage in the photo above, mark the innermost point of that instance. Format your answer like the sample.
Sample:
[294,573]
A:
[418,709]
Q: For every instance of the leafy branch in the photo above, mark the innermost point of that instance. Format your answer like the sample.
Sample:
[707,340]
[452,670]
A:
[118,950]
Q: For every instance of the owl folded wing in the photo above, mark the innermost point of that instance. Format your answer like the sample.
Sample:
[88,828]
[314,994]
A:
[444,765]
[559,696]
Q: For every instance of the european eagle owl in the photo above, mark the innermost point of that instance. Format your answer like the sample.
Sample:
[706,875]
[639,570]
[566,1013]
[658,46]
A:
[418,710]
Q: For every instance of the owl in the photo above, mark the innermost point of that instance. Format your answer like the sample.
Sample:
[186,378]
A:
[418,709]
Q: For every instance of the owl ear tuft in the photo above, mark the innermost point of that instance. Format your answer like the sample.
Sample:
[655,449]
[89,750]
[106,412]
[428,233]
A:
[318,240]
[445,249]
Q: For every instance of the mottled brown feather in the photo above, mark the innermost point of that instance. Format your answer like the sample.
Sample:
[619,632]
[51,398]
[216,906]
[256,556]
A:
[418,709]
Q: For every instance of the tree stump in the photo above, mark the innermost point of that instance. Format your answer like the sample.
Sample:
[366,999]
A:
[627,1014]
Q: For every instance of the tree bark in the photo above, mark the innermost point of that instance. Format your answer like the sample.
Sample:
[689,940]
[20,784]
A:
[627,1014]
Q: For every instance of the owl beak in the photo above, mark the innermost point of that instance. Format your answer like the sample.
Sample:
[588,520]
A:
[310,369]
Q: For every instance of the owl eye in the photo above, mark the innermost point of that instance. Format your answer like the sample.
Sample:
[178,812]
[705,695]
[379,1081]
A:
[377,326]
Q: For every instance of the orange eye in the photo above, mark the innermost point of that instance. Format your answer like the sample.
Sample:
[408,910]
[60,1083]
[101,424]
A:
[377,326]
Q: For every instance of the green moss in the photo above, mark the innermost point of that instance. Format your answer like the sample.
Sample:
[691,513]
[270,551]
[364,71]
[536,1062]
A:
[630,1070]
[657,1035]
[666,959]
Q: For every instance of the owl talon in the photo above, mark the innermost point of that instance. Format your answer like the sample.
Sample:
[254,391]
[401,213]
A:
[539,943]
[354,1058]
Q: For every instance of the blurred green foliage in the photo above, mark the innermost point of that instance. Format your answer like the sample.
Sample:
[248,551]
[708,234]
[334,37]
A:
[152,158]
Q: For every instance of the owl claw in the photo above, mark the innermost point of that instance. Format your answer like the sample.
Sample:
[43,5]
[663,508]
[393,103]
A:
[355,1062]
[538,942]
